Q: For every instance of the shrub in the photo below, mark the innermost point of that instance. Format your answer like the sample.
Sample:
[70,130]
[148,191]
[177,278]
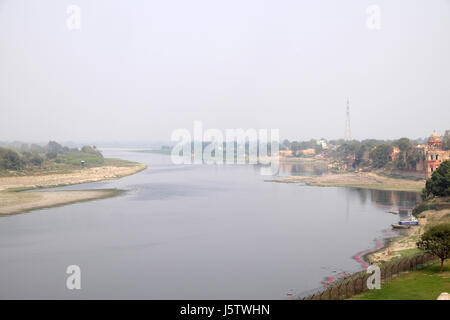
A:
[10,160]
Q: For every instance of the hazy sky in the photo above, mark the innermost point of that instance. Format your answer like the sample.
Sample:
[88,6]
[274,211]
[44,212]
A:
[137,70]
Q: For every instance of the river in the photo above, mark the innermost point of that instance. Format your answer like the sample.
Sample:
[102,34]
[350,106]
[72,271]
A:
[194,232]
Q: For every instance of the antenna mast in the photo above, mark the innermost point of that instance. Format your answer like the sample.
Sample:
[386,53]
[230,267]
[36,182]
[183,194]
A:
[348,133]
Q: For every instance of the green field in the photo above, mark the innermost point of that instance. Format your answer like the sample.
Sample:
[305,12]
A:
[425,284]
[75,158]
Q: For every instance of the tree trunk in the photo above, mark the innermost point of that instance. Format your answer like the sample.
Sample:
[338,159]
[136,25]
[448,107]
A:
[442,265]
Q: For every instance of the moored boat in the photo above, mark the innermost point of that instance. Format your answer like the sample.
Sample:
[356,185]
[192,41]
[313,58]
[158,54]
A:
[411,221]
[400,226]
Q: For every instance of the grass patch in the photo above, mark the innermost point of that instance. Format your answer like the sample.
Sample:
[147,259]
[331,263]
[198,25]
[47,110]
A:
[408,253]
[75,158]
[119,162]
[401,176]
[425,284]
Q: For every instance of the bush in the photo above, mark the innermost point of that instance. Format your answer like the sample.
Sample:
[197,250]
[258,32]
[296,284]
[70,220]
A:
[54,147]
[92,150]
[381,155]
[10,160]
[36,160]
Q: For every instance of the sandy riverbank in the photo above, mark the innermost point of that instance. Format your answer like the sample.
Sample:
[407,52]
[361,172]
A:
[367,180]
[12,201]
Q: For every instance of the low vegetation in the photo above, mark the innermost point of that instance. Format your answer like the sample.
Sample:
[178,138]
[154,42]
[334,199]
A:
[425,284]
[432,236]
[402,157]
[51,158]
[436,240]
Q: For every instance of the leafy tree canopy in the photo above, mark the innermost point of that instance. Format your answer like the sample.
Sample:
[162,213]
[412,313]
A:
[436,241]
[439,183]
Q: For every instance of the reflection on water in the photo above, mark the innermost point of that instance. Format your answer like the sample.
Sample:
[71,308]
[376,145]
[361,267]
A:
[302,169]
[392,200]
[389,200]
[195,232]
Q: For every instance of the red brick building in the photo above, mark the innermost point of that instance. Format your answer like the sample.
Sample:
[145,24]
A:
[434,154]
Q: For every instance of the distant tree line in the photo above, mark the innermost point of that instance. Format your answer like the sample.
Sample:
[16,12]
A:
[367,153]
[35,155]
[297,147]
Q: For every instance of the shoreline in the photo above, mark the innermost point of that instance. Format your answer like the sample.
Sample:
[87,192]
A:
[51,199]
[399,245]
[364,180]
[405,243]
[13,199]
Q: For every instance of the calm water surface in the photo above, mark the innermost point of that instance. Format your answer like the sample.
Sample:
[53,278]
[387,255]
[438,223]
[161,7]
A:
[194,231]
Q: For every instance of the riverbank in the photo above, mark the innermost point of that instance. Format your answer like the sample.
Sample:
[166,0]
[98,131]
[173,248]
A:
[405,245]
[13,201]
[366,180]
[407,272]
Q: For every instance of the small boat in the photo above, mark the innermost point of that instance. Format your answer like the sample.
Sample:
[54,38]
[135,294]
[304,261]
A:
[411,221]
[400,226]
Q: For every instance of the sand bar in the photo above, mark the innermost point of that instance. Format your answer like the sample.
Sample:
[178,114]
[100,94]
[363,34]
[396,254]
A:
[12,201]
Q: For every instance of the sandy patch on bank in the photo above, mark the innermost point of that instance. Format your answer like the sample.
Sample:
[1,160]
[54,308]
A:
[16,202]
[367,180]
[73,177]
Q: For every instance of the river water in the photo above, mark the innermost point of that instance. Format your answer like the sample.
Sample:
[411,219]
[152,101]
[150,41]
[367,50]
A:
[194,232]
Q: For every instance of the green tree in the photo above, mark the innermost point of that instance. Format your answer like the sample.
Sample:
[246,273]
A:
[439,183]
[295,146]
[446,140]
[380,155]
[54,147]
[436,241]
[10,159]
[286,143]
[36,160]
[400,162]
[51,155]
[404,144]
[92,150]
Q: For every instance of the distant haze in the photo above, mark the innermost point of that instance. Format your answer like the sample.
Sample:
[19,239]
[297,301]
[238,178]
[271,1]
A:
[137,70]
